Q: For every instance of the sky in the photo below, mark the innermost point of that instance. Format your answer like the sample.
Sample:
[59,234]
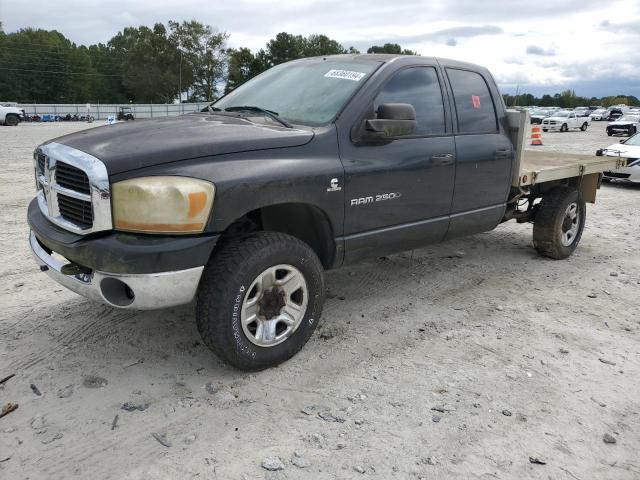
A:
[590,46]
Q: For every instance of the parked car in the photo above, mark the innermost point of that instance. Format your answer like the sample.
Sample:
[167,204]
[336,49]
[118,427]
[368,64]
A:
[311,165]
[11,115]
[582,111]
[629,149]
[627,124]
[538,115]
[599,114]
[563,121]
[125,113]
[615,114]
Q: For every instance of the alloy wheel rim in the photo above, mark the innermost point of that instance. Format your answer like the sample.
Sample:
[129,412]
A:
[570,224]
[274,305]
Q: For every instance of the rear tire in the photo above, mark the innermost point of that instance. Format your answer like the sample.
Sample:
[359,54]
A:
[584,126]
[247,279]
[559,223]
[11,120]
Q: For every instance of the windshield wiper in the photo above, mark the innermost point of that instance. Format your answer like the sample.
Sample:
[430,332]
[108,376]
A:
[269,113]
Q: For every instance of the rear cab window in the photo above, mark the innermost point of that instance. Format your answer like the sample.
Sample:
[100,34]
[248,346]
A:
[476,112]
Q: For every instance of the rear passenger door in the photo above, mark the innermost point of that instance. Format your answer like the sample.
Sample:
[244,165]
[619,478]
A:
[484,154]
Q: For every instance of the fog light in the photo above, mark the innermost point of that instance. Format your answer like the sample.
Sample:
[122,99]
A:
[117,292]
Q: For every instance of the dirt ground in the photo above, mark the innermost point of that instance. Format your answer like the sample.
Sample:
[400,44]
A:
[469,359]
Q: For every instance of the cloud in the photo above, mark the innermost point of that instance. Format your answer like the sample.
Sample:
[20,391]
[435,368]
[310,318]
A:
[632,27]
[536,50]
[447,36]
[492,33]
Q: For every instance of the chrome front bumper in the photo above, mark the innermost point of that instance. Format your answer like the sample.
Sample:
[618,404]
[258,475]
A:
[147,291]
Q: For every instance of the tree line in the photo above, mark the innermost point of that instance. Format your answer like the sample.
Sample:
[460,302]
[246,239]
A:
[568,99]
[160,64]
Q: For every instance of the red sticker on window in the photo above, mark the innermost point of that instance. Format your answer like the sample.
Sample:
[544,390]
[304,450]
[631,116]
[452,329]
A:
[475,99]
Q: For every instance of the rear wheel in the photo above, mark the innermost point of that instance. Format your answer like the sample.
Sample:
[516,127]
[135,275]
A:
[584,126]
[11,120]
[559,223]
[260,299]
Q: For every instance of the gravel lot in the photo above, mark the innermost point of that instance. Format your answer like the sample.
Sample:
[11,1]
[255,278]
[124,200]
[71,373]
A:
[469,359]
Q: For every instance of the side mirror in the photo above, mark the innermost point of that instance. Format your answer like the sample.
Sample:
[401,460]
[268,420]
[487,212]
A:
[393,120]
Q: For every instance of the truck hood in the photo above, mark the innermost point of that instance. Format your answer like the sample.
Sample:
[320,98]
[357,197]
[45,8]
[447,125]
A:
[557,119]
[143,143]
[621,123]
[622,150]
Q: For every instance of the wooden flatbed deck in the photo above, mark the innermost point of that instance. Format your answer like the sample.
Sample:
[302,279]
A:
[538,167]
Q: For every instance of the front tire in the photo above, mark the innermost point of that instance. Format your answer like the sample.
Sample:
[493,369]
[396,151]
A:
[564,128]
[11,120]
[559,223]
[260,299]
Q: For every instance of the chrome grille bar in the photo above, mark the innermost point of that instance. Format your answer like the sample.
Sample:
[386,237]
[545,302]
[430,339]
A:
[99,196]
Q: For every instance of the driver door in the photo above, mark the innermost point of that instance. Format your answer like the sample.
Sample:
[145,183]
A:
[398,193]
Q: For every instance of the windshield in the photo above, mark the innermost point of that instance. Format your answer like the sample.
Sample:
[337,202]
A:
[310,92]
[634,141]
[629,118]
[561,114]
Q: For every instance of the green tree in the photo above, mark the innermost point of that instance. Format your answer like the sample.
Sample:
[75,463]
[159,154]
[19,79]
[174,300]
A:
[151,63]
[43,66]
[243,65]
[392,48]
[285,47]
[204,58]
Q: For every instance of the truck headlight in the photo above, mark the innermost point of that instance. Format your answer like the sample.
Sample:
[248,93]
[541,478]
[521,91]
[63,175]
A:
[162,204]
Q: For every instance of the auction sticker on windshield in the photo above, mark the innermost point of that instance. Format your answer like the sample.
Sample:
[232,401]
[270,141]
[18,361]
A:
[345,75]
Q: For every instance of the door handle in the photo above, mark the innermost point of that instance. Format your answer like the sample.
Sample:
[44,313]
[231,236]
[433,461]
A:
[442,158]
[500,154]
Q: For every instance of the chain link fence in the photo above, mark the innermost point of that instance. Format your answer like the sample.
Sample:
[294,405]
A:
[103,111]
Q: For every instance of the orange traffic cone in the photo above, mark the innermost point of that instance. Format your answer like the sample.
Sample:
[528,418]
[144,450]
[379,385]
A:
[536,135]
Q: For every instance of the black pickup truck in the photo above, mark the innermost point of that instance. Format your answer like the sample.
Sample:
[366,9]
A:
[312,165]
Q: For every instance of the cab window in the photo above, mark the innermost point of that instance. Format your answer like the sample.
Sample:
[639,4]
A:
[418,86]
[474,105]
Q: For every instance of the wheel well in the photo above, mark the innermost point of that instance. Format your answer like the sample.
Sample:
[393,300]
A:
[306,222]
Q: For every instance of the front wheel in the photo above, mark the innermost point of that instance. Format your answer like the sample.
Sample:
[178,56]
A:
[559,223]
[564,128]
[11,120]
[260,299]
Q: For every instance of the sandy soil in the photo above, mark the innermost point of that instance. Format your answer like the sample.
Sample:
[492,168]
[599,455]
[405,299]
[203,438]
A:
[460,360]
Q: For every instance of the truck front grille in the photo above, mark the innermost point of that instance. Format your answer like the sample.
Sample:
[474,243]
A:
[72,178]
[41,158]
[617,175]
[73,189]
[76,211]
